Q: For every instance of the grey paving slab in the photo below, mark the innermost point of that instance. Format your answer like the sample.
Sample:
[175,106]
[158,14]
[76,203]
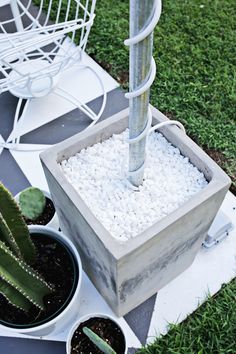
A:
[139,319]
[132,350]
[75,121]
[63,127]
[10,173]
[29,346]
[7,110]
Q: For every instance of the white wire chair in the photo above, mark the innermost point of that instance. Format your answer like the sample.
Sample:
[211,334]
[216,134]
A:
[37,44]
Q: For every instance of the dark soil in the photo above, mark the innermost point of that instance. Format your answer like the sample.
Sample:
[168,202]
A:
[123,77]
[57,267]
[104,328]
[46,216]
[217,156]
[221,160]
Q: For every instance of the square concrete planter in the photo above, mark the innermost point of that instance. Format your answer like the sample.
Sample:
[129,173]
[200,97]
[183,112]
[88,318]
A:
[127,274]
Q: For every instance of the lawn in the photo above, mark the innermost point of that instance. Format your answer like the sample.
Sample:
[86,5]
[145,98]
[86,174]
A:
[211,329]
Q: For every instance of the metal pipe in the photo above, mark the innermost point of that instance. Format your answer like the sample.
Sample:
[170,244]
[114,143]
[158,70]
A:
[141,13]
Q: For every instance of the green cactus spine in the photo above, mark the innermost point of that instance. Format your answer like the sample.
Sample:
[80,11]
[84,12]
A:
[32,202]
[13,296]
[10,212]
[23,279]
[19,283]
[7,237]
[98,341]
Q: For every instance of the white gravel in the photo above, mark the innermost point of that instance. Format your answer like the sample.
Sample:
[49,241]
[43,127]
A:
[169,181]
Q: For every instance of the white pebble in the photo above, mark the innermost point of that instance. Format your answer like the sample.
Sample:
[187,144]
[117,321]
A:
[169,181]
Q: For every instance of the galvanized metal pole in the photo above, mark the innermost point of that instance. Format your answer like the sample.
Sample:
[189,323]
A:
[140,68]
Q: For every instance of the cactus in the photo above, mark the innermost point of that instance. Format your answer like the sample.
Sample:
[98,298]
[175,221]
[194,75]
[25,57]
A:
[32,202]
[19,282]
[13,296]
[6,236]
[98,341]
[23,279]
[16,225]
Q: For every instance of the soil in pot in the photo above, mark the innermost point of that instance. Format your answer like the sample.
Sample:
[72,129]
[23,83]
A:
[46,216]
[56,264]
[104,328]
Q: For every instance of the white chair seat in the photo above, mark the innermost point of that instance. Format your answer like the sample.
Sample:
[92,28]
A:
[30,79]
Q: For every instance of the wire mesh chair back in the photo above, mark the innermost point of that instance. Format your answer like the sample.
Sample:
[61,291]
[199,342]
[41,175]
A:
[38,42]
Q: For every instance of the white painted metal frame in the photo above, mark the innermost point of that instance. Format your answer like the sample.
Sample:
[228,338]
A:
[39,50]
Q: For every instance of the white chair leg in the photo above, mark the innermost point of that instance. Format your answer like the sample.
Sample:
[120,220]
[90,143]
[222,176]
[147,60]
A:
[77,103]
[18,119]
[17,113]
[103,93]
[83,106]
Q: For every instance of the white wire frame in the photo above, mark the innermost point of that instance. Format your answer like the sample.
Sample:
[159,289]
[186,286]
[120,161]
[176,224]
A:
[55,36]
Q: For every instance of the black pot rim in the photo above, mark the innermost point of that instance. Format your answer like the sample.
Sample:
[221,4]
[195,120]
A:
[67,301]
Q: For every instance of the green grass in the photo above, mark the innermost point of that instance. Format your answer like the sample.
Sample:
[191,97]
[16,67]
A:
[211,329]
[194,49]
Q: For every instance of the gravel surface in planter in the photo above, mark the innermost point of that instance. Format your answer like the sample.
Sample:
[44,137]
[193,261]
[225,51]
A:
[169,181]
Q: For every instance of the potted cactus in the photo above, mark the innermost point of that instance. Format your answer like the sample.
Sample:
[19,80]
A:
[96,333]
[40,273]
[37,207]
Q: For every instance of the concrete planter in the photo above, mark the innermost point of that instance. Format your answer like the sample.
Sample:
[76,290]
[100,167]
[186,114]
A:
[129,273]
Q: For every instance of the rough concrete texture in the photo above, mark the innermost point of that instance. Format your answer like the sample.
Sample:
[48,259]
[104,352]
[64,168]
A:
[126,275]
